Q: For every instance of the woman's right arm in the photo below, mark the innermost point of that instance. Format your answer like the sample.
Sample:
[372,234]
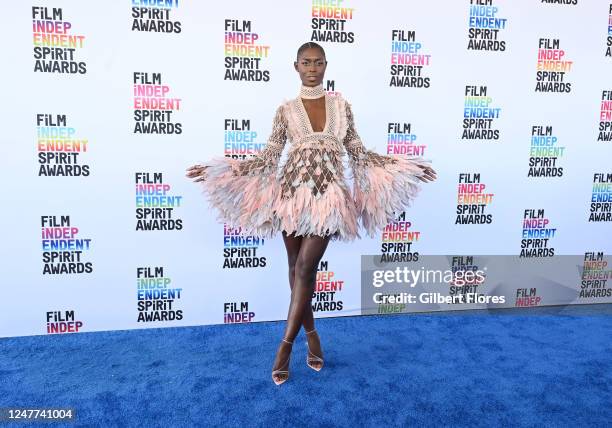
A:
[263,162]
[244,190]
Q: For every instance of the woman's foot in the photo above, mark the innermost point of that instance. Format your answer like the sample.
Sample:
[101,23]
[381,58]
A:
[280,370]
[314,358]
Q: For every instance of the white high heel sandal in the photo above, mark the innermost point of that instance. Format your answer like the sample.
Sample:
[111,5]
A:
[281,373]
[312,358]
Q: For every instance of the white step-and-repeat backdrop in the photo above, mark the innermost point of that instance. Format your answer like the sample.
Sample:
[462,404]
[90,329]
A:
[107,103]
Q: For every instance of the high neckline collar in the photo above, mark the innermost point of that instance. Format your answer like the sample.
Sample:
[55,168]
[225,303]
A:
[312,92]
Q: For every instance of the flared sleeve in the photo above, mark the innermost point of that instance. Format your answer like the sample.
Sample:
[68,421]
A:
[244,190]
[383,185]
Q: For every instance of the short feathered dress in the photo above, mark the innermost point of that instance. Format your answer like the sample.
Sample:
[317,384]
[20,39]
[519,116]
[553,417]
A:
[308,194]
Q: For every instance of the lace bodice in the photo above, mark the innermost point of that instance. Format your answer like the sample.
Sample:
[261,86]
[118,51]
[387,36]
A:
[313,158]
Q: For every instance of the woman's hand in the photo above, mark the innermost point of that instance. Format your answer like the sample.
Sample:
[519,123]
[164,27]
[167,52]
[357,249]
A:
[428,174]
[197,171]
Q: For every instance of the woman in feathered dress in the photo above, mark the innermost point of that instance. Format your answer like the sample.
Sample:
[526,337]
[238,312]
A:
[309,201]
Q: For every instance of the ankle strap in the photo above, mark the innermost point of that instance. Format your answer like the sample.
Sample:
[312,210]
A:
[286,341]
[311,331]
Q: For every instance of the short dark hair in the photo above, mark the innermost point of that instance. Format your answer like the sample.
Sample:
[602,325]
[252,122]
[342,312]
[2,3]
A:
[309,45]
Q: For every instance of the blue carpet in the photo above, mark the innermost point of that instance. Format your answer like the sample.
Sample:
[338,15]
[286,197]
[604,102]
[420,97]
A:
[410,370]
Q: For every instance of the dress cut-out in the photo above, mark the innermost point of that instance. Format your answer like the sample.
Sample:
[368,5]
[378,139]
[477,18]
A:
[308,194]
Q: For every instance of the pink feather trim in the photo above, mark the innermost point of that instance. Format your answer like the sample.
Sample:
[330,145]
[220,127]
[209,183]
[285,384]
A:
[390,190]
[242,201]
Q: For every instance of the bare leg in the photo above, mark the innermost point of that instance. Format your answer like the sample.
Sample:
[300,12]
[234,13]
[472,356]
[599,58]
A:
[292,245]
[311,251]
